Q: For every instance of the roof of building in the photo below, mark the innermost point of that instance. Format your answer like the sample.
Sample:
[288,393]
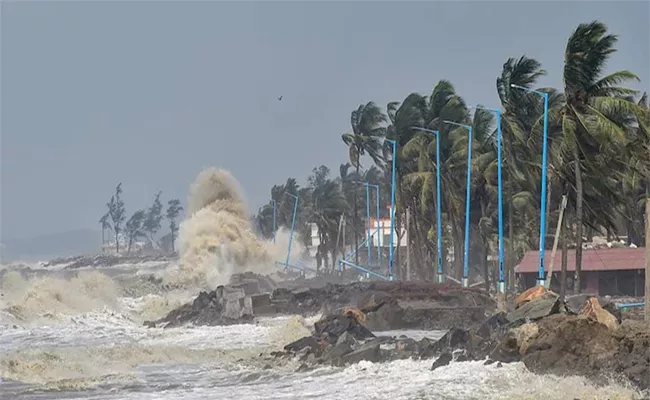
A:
[615,259]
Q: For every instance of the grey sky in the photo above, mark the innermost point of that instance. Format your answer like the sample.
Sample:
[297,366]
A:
[149,93]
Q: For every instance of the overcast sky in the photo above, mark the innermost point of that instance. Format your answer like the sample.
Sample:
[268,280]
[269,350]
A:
[148,94]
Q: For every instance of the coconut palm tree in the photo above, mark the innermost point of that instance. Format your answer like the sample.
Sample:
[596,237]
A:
[328,204]
[365,139]
[516,122]
[403,116]
[419,182]
[590,101]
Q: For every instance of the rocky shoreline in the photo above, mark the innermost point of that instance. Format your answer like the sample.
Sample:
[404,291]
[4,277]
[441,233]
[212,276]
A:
[549,336]
[107,260]
[386,305]
[581,336]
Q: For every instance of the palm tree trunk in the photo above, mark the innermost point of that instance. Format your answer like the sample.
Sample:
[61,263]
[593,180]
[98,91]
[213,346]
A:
[485,250]
[355,221]
[458,251]
[565,252]
[173,238]
[511,218]
[408,244]
[579,197]
[486,264]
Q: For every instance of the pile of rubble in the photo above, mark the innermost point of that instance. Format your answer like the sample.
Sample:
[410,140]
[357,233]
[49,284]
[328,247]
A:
[386,305]
[573,337]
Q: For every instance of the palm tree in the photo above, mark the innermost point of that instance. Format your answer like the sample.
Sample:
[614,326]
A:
[516,122]
[328,204]
[403,116]
[365,139]
[590,100]
[636,182]
[445,104]
[484,185]
[418,156]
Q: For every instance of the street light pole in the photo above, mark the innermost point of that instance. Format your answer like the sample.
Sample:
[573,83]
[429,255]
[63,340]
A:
[467,200]
[368,238]
[378,234]
[542,219]
[440,275]
[501,286]
[368,222]
[392,212]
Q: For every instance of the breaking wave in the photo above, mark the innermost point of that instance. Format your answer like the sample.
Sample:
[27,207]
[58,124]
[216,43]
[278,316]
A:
[102,347]
[49,296]
[216,239]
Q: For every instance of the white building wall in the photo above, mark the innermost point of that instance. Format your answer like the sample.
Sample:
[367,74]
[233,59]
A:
[383,225]
[384,230]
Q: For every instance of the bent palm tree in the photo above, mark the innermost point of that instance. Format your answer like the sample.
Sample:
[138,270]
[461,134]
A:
[590,101]
[365,139]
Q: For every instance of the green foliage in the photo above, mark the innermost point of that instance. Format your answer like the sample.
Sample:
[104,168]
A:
[135,227]
[153,218]
[142,224]
[599,155]
[173,209]
[117,213]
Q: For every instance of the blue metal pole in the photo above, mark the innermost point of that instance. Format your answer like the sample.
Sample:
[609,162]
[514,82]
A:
[349,256]
[378,232]
[542,211]
[542,224]
[360,268]
[439,208]
[501,286]
[368,243]
[293,225]
[467,208]
[275,207]
[500,203]
[392,212]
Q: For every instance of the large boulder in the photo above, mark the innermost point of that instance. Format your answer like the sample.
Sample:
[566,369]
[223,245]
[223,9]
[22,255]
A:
[367,352]
[443,360]
[529,295]
[538,307]
[309,343]
[223,306]
[334,354]
[569,345]
[573,303]
[348,320]
[593,310]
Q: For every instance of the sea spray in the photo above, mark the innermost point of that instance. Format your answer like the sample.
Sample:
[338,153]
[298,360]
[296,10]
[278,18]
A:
[216,239]
[49,296]
[292,329]
[92,347]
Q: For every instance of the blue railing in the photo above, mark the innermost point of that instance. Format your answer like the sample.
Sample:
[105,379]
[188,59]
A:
[362,269]
[629,305]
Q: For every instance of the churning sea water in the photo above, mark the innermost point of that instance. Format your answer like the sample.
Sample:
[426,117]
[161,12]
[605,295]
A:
[63,339]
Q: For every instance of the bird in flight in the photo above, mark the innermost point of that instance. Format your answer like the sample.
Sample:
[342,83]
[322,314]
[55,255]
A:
[280,98]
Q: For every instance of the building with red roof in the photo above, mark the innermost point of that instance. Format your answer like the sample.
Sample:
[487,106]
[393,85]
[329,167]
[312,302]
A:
[605,271]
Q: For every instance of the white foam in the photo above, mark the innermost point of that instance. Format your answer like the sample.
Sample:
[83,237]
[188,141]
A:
[399,380]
